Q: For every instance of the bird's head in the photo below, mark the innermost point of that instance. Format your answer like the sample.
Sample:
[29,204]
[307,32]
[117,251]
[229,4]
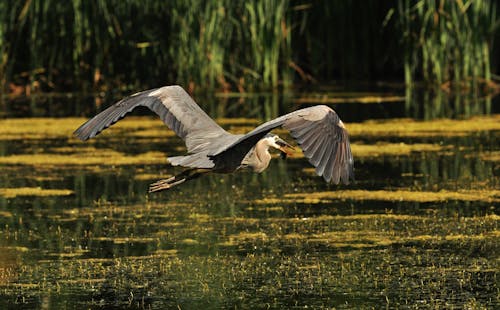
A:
[276,142]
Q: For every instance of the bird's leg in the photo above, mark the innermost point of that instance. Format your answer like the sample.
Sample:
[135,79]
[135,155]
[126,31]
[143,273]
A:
[182,177]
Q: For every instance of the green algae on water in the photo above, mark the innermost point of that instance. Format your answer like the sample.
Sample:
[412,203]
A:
[412,128]
[151,126]
[388,195]
[33,191]
[104,157]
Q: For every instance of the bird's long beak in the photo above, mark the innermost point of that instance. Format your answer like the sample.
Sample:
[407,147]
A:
[285,147]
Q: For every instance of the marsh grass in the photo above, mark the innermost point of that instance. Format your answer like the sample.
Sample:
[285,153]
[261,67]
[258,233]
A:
[227,45]
[203,45]
[447,43]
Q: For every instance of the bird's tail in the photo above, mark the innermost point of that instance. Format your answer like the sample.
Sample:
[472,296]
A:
[180,178]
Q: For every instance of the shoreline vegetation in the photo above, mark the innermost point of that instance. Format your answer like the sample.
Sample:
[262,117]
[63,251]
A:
[257,45]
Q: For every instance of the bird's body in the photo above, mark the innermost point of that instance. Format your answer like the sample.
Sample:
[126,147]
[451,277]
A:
[318,131]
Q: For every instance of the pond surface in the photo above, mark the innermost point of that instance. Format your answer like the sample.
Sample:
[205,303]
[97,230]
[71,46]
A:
[418,228]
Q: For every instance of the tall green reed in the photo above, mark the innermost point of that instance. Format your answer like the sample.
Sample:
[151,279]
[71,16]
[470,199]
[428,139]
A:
[219,43]
[8,21]
[447,43]
[94,44]
[3,44]
[78,44]
[250,45]
[199,41]
[269,37]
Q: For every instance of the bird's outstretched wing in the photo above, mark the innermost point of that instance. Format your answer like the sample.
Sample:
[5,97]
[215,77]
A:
[318,131]
[175,108]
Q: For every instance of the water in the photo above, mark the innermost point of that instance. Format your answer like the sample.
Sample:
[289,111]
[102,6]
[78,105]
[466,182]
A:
[418,228]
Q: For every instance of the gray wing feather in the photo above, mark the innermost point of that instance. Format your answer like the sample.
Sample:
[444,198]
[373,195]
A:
[318,131]
[174,107]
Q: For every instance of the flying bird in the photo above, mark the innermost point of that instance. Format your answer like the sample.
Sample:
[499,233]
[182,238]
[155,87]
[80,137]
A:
[318,131]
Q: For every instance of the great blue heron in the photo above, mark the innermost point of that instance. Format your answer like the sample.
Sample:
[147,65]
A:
[318,131]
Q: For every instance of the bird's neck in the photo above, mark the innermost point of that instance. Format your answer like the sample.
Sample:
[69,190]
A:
[262,156]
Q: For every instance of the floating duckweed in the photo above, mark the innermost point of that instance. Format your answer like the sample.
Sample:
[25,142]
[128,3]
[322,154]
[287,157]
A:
[158,132]
[244,237]
[371,217]
[392,149]
[33,191]
[99,157]
[366,239]
[149,176]
[491,156]
[266,209]
[25,285]
[82,281]
[240,220]
[5,214]
[237,121]
[387,195]
[412,128]
[492,234]
[46,128]
[187,248]
[38,128]
[51,128]
[122,240]
[40,178]
[67,255]
[167,252]
[14,248]
[382,149]
[200,217]
[189,241]
[349,98]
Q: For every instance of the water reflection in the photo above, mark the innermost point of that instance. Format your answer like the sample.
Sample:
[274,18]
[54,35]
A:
[425,104]
[441,104]
[217,241]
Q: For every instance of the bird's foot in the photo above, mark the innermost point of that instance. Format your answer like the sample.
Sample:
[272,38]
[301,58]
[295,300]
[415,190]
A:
[165,184]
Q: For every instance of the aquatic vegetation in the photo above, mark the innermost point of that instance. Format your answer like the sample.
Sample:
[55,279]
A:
[98,45]
[447,43]
[57,128]
[52,128]
[412,128]
[125,239]
[244,237]
[5,214]
[387,195]
[33,191]
[146,176]
[338,97]
[37,128]
[425,207]
[104,157]
[491,156]
[187,39]
[310,257]
[393,149]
